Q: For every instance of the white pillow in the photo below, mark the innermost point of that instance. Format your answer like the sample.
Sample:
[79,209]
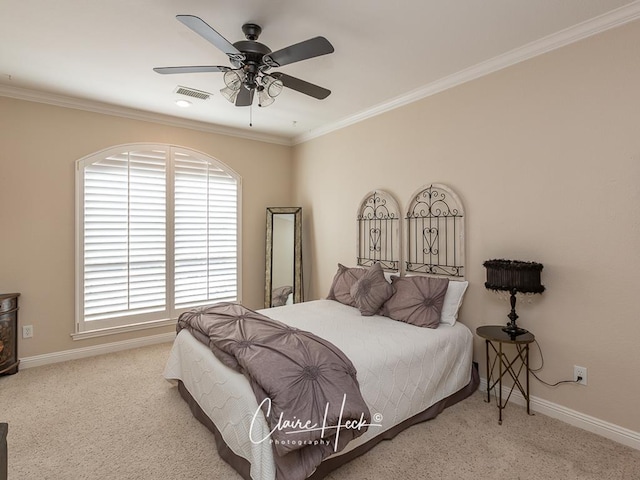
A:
[452,301]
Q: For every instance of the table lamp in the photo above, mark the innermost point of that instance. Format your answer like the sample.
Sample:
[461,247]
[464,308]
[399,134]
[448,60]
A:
[513,276]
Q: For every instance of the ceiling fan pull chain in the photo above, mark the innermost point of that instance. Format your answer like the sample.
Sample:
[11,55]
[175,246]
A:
[251,115]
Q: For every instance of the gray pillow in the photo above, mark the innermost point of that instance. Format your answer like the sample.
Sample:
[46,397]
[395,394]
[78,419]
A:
[343,280]
[371,291]
[417,300]
[279,295]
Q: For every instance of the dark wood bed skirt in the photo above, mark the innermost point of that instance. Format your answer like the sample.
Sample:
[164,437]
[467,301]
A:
[242,466]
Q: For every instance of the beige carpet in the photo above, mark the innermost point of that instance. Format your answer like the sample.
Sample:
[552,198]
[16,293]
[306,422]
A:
[115,417]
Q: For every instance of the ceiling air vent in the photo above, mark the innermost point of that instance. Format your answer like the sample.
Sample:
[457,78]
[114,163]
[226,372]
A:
[192,92]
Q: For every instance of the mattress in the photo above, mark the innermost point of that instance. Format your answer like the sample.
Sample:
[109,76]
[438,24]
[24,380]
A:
[402,371]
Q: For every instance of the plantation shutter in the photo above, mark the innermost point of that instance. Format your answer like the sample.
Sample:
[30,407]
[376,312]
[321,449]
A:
[157,234]
[205,232]
[125,235]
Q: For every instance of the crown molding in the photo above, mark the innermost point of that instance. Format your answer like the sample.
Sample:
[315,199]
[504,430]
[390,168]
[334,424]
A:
[134,114]
[607,21]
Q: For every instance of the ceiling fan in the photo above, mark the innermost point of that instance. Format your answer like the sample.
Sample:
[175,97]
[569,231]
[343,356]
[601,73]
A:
[251,61]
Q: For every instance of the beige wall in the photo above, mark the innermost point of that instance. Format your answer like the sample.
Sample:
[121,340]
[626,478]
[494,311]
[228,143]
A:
[545,156]
[39,147]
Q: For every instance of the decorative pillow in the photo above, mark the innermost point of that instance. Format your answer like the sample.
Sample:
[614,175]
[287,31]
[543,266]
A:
[279,295]
[371,291]
[343,280]
[417,300]
[452,301]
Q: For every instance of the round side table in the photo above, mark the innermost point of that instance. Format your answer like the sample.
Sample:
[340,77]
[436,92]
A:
[495,337]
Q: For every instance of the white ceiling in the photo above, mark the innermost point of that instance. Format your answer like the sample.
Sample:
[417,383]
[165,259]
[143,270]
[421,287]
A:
[386,53]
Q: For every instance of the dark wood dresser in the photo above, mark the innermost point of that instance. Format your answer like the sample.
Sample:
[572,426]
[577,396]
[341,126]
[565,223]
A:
[9,333]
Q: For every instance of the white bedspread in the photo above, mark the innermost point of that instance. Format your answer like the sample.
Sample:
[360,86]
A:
[402,370]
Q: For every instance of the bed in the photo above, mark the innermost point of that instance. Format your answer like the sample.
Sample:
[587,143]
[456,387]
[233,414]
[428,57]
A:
[406,374]
[400,333]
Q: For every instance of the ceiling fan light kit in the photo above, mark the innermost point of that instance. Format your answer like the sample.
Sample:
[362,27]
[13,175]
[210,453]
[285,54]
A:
[268,87]
[264,100]
[251,61]
[233,79]
[272,86]
[230,94]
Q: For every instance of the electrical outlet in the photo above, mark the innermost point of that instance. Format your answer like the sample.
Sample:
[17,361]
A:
[580,372]
[27,331]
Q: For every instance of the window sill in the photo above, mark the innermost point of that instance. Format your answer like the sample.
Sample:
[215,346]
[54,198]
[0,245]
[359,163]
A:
[122,329]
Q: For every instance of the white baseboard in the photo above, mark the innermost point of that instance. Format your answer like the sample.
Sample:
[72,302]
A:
[586,422]
[84,352]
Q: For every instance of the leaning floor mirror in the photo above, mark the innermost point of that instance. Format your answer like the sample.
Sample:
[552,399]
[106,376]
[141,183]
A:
[283,278]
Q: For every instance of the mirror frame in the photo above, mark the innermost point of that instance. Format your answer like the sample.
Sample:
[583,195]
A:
[297,253]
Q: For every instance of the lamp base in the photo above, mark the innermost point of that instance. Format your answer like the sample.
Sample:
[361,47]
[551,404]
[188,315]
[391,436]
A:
[514,331]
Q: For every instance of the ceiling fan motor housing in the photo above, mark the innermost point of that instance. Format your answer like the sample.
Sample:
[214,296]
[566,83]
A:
[252,49]
[253,52]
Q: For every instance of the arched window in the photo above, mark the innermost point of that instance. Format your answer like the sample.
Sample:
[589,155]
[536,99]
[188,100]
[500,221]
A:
[157,233]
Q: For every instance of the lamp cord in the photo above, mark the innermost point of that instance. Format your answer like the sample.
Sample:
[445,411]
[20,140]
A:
[534,370]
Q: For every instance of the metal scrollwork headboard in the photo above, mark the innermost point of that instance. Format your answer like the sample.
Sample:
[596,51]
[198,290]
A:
[435,232]
[379,230]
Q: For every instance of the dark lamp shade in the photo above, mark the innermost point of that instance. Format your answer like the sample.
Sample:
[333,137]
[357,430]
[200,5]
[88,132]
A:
[513,275]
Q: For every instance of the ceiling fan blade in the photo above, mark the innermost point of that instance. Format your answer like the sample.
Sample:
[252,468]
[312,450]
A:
[194,69]
[301,86]
[245,97]
[203,29]
[314,47]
